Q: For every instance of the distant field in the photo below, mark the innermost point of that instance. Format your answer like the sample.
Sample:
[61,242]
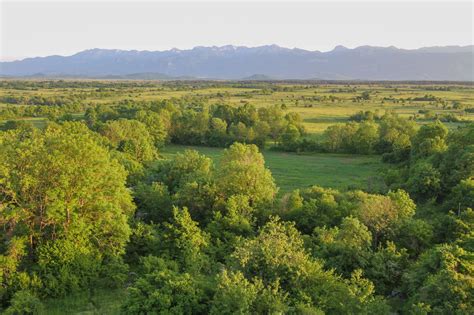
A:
[292,171]
[320,105]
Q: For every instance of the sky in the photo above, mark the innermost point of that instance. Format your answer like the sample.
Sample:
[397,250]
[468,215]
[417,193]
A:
[39,28]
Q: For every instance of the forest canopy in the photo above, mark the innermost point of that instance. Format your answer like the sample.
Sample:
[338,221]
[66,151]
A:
[91,203]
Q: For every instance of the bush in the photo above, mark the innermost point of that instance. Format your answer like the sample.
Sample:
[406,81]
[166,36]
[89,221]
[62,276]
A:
[24,302]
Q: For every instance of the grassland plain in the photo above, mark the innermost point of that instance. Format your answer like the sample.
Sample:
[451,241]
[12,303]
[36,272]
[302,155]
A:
[293,171]
[320,105]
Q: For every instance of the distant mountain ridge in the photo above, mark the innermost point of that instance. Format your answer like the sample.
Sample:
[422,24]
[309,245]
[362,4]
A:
[452,63]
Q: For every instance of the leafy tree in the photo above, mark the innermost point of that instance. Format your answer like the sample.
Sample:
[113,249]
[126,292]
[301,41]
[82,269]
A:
[344,248]
[189,180]
[337,137]
[262,131]
[189,126]
[241,133]
[386,267]
[156,126]
[395,137]
[235,221]
[242,171]
[365,138]
[296,120]
[430,139]
[163,289]
[457,228]
[131,137]
[199,197]
[24,302]
[217,132]
[144,240]
[290,137]
[442,279]
[383,214]
[424,181]
[64,194]
[186,167]
[462,195]
[237,295]
[277,253]
[273,115]
[16,124]
[458,161]
[246,114]
[415,235]
[317,207]
[153,202]
[184,242]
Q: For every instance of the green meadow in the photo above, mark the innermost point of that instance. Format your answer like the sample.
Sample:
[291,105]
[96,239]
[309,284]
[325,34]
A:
[295,171]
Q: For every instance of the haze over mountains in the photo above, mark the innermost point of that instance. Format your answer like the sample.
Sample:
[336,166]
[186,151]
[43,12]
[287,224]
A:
[453,63]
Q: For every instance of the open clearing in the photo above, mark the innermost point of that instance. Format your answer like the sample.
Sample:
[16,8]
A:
[292,171]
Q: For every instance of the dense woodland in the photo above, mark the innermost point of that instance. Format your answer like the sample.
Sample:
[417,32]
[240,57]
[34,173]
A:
[88,202]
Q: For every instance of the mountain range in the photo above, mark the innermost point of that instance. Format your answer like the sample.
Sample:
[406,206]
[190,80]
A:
[271,62]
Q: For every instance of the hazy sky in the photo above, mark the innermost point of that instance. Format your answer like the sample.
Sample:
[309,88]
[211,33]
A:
[38,28]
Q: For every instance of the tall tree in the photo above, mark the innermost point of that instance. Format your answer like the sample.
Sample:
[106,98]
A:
[65,196]
[242,171]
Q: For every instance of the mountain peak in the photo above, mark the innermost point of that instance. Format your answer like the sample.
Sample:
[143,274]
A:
[339,48]
[261,63]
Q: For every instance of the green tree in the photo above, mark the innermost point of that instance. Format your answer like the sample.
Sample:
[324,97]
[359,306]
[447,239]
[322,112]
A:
[395,137]
[383,214]
[366,137]
[156,126]
[186,167]
[163,289]
[64,194]
[424,181]
[277,254]
[237,295]
[217,132]
[345,248]
[131,137]
[290,137]
[189,126]
[317,207]
[24,302]
[242,171]
[442,279]
[153,202]
[430,139]
[386,267]
[185,242]
[236,220]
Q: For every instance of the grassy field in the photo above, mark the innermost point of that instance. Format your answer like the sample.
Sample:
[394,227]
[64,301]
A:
[292,171]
